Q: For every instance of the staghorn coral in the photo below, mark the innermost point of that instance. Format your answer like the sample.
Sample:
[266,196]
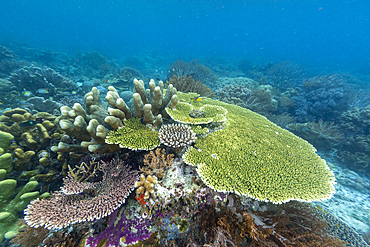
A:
[252,156]
[188,84]
[176,135]
[94,199]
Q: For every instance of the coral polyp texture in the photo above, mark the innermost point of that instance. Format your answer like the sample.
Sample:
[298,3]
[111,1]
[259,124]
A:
[90,125]
[94,200]
[191,110]
[177,135]
[254,157]
[134,135]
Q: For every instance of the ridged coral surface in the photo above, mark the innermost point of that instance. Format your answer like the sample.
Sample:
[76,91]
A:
[254,157]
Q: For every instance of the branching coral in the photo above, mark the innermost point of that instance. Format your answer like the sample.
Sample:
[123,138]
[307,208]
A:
[188,84]
[194,69]
[93,200]
[90,126]
[156,162]
[177,135]
[322,134]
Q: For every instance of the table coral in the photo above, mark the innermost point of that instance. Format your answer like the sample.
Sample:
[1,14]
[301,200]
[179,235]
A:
[134,135]
[254,157]
[94,200]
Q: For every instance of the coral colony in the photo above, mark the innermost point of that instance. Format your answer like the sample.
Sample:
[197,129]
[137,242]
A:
[167,164]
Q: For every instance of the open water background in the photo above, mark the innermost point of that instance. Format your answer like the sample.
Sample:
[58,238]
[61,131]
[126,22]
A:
[314,33]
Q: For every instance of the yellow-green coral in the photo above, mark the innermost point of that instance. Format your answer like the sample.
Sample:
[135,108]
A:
[134,136]
[254,157]
[182,112]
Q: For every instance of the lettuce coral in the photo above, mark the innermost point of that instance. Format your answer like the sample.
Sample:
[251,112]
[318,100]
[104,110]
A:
[254,157]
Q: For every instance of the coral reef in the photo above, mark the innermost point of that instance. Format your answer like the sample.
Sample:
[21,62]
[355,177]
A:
[39,104]
[321,134]
[35,79]
[94,200]
[254,157]
[322,97]
[249,95]
[188,84]
[196,70]
[8,61]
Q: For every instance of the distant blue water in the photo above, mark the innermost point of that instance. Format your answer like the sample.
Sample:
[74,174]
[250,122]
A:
[313,33]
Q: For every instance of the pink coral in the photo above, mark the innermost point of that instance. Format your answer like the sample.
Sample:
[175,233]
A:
[90,202]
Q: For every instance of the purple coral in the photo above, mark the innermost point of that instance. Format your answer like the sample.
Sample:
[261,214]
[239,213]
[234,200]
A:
[129,229]
[86,202]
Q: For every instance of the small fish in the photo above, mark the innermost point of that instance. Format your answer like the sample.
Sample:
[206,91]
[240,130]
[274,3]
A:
[188,120]
[43,90]
[29,123]
[319,208]
[74,92]
[26,93]
[195,99]
[337,225]
[15,93]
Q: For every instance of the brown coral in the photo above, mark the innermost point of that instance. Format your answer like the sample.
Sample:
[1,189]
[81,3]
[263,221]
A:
[156,162]
[188,84]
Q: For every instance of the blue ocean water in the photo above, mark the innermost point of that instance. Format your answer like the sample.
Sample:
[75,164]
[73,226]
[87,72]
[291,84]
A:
[303,64]
[314,33]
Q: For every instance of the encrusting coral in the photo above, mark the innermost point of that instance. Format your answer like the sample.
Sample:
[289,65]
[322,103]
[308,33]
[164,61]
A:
[94,200]
[90,126]
[254,157]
